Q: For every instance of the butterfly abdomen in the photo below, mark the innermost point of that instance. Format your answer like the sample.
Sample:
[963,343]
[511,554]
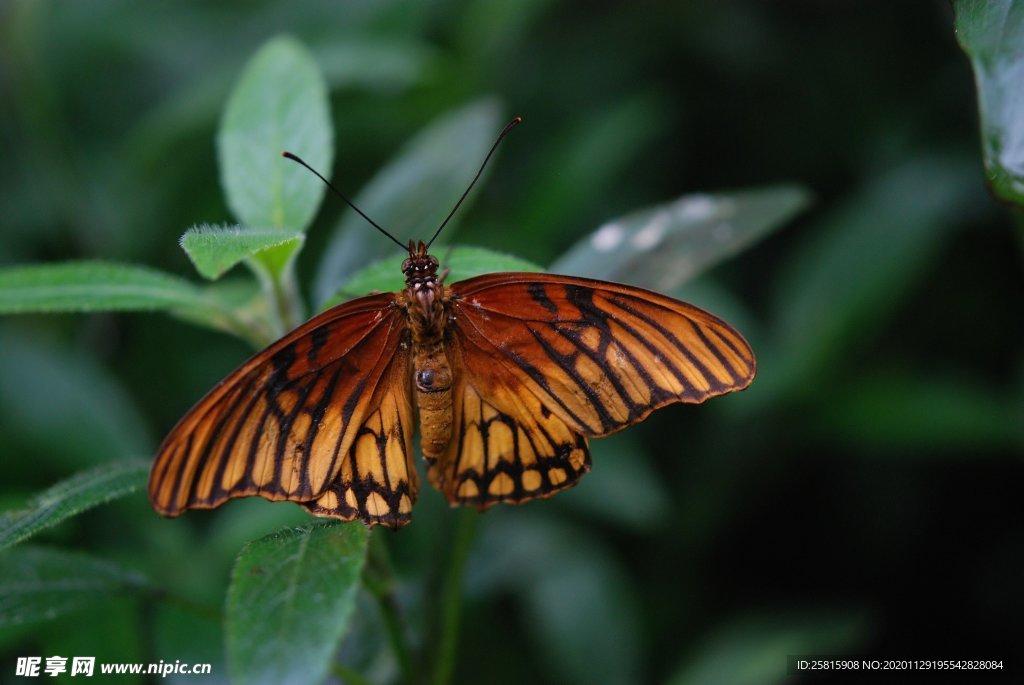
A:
[433,380]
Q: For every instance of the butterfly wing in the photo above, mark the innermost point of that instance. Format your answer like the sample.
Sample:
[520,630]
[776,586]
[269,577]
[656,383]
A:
[506,446]
[378,482]
[283,424]
[555,358]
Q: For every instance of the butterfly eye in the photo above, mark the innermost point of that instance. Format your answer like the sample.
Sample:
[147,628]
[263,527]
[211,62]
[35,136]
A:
[425,379]
[434,263]
[405,265]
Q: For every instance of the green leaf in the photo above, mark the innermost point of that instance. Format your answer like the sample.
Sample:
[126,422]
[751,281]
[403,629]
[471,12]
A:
[665,246]
[71,497]
[991,33]
[289,602]
[924,416]
[753,649]
[848,276]
[215,249]
[580,606]
[413,194]
[238,306]
[93,286]
[461,262]
[357,62]
[119,631]
[179,632]
[280,103]
[83,417]
[592,152]
[39,584]
[379,63]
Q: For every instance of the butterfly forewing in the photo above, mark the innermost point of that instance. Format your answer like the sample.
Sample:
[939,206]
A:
[281,425]
[601,356]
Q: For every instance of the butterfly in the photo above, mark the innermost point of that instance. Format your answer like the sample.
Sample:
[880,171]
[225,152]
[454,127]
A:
[509,374]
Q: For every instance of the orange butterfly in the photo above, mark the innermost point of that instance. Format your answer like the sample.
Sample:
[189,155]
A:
[509,373]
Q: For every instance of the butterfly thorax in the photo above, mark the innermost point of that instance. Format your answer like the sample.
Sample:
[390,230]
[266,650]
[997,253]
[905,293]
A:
[425,307]
[424,295]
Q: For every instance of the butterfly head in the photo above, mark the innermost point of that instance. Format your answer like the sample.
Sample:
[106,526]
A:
[423,290]
[419,268]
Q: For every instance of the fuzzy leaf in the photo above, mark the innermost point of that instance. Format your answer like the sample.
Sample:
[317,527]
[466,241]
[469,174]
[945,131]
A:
[280,103]
[289,602]
[71,497]
[93,286]
[39,584]
[215,249]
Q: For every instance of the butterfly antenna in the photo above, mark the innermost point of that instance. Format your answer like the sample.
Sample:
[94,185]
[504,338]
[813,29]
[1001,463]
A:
[296,158]
[504,132]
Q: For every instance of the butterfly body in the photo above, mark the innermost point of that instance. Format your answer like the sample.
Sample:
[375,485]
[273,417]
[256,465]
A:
[508,375]
[426,308]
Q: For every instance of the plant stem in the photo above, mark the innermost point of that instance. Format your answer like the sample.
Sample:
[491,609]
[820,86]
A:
[451,597]
[286,298]
[379,580]
[281,290]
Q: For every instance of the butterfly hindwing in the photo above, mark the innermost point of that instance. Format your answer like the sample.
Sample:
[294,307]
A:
[281,425]
[505,446]
[377,482]
[601,356]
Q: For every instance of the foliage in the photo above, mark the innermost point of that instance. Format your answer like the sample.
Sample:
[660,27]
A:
[289,602]
[72,497]
[991,33]
[869,469]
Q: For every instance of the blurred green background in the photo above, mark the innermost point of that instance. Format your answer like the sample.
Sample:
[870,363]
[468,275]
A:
[861,498]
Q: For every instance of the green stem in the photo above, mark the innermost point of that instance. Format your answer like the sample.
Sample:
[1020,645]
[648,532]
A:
[282,292]
[379,580]
[286,298]
[451,596]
